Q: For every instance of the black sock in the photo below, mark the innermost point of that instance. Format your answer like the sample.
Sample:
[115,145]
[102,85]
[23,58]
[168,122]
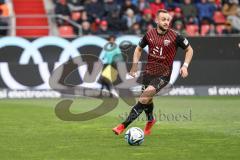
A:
[134,113]
[149,111]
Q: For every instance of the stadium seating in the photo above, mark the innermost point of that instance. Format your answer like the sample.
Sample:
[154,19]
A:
[204,29]
[66,31]
[35,21]
[76,15]
[220,28]
[192,29]
[34,18]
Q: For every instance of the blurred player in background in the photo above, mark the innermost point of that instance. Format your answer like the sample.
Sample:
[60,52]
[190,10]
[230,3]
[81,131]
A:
[112,54]
[163,43]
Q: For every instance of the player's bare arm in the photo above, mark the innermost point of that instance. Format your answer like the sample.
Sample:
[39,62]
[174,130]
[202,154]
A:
[188,58]
[136,57]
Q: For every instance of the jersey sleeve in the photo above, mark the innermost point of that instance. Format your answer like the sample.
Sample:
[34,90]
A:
[143,42]
[182,41]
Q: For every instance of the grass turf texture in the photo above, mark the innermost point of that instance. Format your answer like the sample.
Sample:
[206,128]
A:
[29,129]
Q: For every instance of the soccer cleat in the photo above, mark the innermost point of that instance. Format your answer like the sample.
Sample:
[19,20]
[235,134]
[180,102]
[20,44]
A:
[147,129]
[119,129]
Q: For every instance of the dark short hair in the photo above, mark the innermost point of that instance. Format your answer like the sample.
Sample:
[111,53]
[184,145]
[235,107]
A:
[161,11]
[111,36]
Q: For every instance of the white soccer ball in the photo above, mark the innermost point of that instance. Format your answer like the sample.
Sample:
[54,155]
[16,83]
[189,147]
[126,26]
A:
[134,136]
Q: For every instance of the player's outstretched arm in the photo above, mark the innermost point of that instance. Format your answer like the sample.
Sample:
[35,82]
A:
[188,58]
[136,56]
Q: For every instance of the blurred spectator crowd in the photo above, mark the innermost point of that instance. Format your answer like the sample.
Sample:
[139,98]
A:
[190,17]
[106,17]
[4,13]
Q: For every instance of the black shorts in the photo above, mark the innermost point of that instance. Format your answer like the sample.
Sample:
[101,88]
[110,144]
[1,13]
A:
[158,82]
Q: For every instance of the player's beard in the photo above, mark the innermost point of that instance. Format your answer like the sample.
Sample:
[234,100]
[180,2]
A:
[162,28]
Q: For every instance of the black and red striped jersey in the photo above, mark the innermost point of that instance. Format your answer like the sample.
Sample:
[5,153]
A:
[162,49]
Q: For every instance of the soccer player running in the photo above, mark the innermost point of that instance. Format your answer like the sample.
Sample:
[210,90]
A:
[163,43]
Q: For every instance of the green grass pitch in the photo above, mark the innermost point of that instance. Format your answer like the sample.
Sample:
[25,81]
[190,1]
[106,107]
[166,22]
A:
[202,128]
